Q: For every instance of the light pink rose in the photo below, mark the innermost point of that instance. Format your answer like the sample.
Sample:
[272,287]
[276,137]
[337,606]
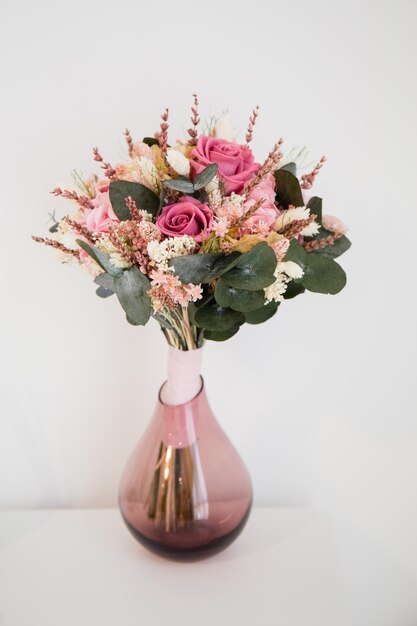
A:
[98,219]
[268,212]
[236,162]
[188,216]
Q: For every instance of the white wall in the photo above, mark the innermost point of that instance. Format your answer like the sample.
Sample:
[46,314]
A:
[321,400]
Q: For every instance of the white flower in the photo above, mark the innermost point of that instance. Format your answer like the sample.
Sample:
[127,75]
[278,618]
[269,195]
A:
[223,129]
[146,217]
[162,252]
[178,162]
[291,269]
[291,215]
[277,289]
[213,186]
[149,172]
[116,258]
[310,230]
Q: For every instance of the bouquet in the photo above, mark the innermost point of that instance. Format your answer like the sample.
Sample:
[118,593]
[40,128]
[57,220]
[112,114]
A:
[198,235]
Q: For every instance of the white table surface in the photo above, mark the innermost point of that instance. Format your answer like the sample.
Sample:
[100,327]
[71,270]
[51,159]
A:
[83,568]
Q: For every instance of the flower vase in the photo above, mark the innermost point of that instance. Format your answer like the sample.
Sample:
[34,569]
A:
[185,493]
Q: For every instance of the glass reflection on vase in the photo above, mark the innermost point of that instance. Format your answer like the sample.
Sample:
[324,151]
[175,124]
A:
[185,493]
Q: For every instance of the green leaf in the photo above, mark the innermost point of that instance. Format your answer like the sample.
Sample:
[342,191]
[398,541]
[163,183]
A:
[293,289]
[262,314]
[106,285]
[336,249]
[102,292]
[238,299]
[145,199]
[323,275]
[254,270]
[102,258]
[202,268]
[315,205]
[288,190]
[296,253]
[216,318]
[290,167]
[222,335]
[150,141]
[205,176]
[106,281]
[182,184]
[131,289]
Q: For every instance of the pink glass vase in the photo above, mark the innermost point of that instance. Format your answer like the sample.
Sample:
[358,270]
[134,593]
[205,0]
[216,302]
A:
[185,493]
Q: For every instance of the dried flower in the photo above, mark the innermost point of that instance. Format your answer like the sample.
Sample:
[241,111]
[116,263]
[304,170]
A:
[334,224]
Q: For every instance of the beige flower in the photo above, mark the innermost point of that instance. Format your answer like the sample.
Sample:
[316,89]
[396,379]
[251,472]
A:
[178,162]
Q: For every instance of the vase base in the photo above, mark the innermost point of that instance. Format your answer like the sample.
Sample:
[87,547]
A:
[195,553]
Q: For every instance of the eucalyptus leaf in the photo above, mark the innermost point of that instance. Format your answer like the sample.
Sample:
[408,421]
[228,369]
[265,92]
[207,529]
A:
[293,289]
[205,176]
[254,270]
[145,198]
[106,281]
[288,190]
[336,249]
[262,314]
[214,335]
[202,268]
[106,285]
[182,184]
[238,299]
[150,141]
[315,205]
[323,275]
[102,292]
[131,289]
[290,167]
[101,258]
[296,253]
[216,318]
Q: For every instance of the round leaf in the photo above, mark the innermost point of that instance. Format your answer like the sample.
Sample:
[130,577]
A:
[315,205]
[131,289]
[254,270]
[216,318]
[238,299]
[202,268]
[221,336]
[296,253]
[293,289]
[323,275]
[145,199]
[262,314]
[288,190]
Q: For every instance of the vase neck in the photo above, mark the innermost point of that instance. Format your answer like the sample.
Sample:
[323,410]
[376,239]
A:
[183,376]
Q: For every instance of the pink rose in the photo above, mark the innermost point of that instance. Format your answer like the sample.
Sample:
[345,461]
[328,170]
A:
[268,212]
[98,219]
[188,216]
[236,162]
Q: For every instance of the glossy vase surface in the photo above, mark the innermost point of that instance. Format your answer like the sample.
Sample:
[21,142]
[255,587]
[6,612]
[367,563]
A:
[185,493]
